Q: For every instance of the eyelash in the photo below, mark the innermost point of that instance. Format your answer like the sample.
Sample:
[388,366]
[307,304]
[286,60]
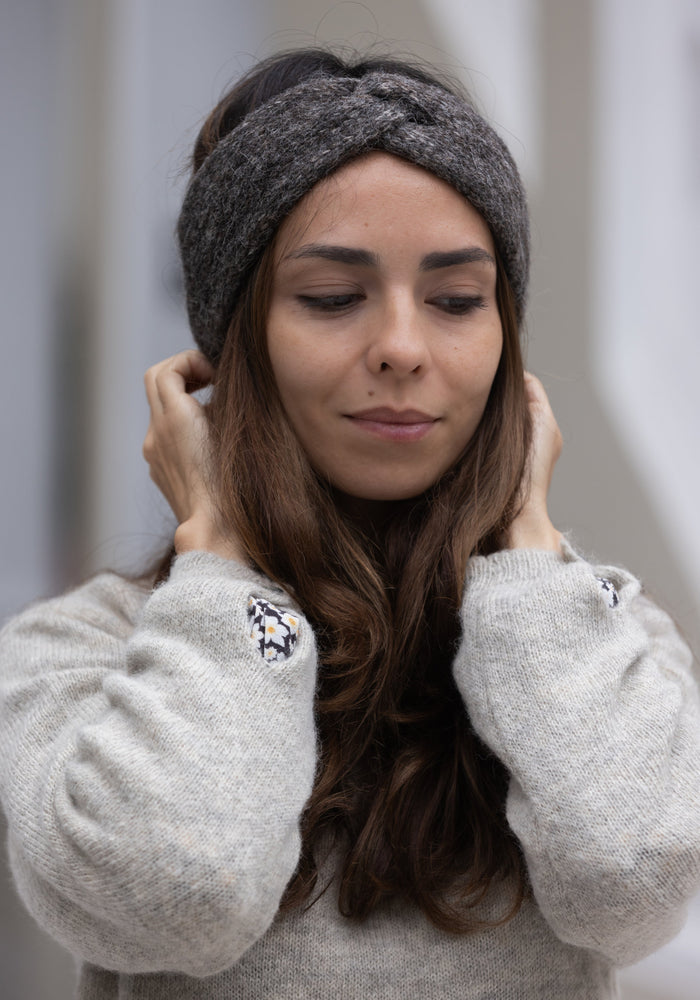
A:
[330,303]
[454,305]
[458,305]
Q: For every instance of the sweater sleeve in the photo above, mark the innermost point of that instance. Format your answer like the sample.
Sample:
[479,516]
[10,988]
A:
[583,689]
[156,752]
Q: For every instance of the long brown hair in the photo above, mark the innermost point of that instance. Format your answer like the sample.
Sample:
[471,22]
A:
[405,789]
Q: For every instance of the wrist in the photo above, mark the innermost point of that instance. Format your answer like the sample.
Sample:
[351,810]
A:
[536,534]
[199,533]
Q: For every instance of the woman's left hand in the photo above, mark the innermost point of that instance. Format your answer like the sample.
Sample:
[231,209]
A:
[532,528]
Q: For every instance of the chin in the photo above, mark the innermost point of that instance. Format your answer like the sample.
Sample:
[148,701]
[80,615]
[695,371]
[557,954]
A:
[385,492]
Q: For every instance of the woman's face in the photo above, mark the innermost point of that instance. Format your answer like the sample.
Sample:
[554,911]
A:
[384,333]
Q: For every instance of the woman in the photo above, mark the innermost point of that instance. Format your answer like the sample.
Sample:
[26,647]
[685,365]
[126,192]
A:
[377,730]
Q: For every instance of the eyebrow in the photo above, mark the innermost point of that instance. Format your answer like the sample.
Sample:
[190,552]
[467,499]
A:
[431,262]
[468,255]
[341,255]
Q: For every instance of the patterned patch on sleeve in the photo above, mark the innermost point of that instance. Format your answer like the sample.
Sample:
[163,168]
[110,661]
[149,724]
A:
[609,592]
[275,632]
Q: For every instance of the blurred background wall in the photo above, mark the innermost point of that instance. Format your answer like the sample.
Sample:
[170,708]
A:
[599,101]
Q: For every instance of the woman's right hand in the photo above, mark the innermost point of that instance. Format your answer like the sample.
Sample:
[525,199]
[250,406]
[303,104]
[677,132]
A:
[177,448]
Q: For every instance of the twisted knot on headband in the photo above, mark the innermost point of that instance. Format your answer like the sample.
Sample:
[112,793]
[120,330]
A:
[257,173]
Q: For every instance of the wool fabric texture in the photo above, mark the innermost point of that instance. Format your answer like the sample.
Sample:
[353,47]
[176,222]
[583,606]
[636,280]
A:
[258,172]
[154,766]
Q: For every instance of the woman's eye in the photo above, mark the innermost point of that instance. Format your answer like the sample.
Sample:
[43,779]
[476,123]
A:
[330,303]
[458,305]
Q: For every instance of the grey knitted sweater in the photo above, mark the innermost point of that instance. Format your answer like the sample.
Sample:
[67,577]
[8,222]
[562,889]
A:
[157,749]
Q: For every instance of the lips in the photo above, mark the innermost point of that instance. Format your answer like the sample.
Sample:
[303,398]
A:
[393,425]
[385,415]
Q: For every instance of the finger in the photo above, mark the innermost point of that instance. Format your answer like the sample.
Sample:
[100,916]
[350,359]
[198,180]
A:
[147,449]
[547,440]
[182,373]
[536,393]
[149,382]
[538,400]
[194,368]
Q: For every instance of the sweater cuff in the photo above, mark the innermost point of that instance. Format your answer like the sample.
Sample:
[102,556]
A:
[208,565]
[514,565]
[201,563]
[527,577]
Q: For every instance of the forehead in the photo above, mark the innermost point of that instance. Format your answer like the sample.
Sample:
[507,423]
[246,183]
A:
[380,195]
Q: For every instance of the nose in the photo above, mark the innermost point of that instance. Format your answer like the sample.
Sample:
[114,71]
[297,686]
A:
[397,342]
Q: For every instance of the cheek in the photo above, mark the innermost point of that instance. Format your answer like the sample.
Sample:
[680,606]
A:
[478,363]
[309,368]
[288,361]
[298,376]
[300,372]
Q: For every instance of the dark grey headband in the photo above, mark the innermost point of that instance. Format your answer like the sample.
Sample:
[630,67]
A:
[258,172]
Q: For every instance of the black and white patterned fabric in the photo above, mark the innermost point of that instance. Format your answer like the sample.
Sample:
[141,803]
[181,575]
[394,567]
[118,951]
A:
[275,632]
[609,592]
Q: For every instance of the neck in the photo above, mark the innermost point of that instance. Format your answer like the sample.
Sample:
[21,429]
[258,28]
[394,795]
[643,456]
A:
[369,516]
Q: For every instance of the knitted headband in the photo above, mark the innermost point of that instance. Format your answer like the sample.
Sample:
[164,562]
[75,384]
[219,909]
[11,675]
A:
[258,172]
